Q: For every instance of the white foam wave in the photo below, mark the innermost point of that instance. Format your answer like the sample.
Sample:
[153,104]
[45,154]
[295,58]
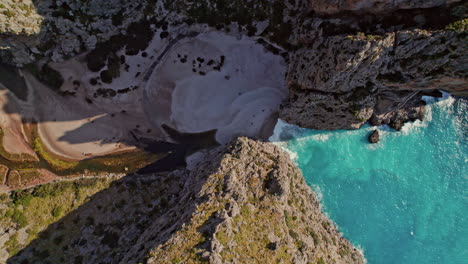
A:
[445,103]
[321,137]
[413,127]
[280,126]
[292,155]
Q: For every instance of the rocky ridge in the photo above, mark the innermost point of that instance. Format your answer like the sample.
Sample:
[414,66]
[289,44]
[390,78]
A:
[245,203]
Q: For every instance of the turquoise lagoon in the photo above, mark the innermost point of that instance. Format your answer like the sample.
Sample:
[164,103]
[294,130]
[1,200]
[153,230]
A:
[403,200]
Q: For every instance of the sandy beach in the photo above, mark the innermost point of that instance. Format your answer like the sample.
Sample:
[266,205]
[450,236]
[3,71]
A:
[14,140]
[215,81]
[192,83]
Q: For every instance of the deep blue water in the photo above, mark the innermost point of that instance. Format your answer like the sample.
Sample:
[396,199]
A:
[403,200]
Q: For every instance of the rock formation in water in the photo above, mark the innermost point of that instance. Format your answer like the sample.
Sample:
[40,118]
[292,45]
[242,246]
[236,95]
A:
[245,203]
[374,137]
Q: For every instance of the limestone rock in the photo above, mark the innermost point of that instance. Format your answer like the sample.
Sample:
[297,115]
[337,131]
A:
[61,29]
[340,81]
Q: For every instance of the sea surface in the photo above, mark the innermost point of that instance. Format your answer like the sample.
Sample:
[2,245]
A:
[403,200]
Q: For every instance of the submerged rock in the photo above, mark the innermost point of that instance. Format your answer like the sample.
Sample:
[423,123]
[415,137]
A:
[374,137]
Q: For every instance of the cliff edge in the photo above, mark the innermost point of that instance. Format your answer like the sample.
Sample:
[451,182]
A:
[254,207]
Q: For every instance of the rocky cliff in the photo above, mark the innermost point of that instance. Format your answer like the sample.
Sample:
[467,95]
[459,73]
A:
[340,82]
[349,68]
[245,203]
[350,61]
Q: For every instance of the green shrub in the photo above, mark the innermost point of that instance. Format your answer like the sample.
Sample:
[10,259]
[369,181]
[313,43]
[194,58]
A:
[4,197]
[460,25]
[320,261]
[21,198]
[51,77]
[9,13]
[51,190]
[19,218]
[315,237]
[58,211]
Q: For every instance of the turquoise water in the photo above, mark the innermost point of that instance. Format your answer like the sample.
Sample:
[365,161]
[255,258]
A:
[403,200]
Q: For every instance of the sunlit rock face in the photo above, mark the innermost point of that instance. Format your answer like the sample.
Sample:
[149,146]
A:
[215,81]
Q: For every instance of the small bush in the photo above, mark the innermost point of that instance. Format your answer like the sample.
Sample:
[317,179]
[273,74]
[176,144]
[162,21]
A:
[315,237]
[58,211]
[19,218]
[9,13]
[460,25]
[47,76]
[51,190]
[21,198]
[4,197]
[51,77]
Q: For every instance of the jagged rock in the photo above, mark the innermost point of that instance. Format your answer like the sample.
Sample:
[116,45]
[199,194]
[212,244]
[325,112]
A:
[374,137]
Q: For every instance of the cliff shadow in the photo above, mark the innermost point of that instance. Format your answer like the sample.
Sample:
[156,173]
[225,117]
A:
[123,222]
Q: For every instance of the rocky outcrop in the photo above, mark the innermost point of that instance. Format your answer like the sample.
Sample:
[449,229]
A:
[341,77]
[246,203]
[31,30]
[254,206]
[373,6]
[374,137]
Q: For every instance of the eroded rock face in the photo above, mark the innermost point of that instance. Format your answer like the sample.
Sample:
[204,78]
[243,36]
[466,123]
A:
[341,81]
[373,6]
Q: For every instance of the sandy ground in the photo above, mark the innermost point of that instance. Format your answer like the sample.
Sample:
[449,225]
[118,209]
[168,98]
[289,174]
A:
[14,140]
[73,128]
[187,92]
[211,81]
